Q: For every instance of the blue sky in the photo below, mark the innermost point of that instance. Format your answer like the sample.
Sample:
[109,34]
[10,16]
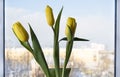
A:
[79,7]
[95,19]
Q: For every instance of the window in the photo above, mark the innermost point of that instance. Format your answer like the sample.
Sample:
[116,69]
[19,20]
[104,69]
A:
[95,21]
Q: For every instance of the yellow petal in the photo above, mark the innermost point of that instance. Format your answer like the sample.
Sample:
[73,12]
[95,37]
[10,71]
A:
[20,32]
[72,24]
[49,15]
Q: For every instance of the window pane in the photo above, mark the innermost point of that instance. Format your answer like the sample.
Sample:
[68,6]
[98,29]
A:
[95,21]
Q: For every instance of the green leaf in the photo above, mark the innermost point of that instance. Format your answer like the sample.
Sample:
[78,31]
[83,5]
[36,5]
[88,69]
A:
[57,23]
[69,33]
[56,43]
[39,56]
[63,39]
[79,39]
[74,39]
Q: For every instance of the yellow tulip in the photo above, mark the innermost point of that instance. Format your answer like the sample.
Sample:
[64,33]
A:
[70,28]
[20,32]
[72,24]
[49,15]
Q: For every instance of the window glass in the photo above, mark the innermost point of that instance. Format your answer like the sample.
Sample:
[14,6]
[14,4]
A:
[95,21]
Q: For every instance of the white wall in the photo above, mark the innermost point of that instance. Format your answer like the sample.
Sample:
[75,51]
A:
[1,38]
[118,41]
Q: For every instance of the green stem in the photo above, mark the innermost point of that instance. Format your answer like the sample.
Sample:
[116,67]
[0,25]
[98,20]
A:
[56,58]
[30,48]
[68,53]
[56,54]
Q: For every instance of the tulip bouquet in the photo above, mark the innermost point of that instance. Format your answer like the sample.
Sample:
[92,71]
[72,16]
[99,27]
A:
[36,49]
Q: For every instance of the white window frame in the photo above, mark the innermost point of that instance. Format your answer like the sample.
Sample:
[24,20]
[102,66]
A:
[117,39]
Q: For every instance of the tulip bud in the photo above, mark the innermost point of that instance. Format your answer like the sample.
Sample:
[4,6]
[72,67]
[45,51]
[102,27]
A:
[72,24]
[49,16]
[70,29]
[20,32]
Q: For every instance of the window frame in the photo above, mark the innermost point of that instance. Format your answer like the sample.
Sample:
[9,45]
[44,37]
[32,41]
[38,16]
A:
[117,38]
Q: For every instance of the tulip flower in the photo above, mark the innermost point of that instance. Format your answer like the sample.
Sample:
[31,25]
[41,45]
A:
[36,49]
[70,28]
[20,32]
[49,15]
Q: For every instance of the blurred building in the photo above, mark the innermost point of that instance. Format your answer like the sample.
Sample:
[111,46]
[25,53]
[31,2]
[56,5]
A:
[94,60]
